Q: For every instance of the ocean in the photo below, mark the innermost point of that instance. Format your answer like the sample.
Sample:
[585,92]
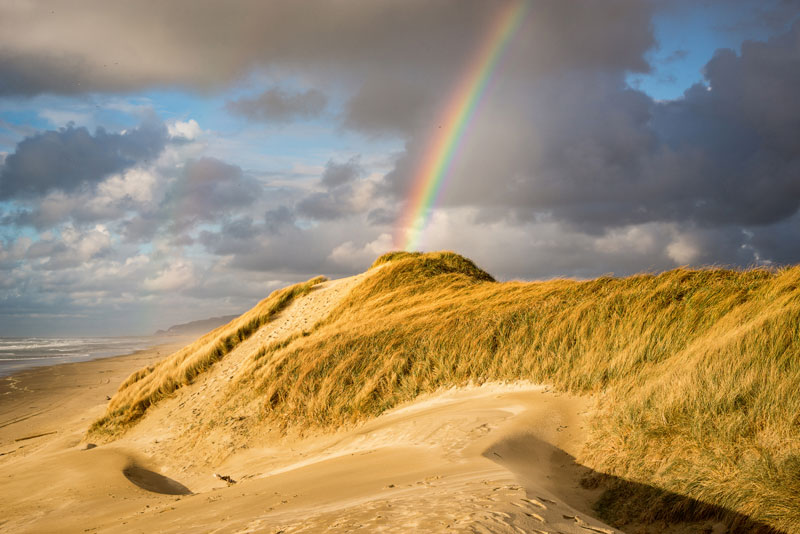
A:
[20,353]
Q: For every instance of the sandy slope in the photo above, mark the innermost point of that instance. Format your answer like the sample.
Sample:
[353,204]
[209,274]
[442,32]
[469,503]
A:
[178,431]
[487,459]
[495,458]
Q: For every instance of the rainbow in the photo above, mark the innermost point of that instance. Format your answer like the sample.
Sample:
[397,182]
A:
[433,169]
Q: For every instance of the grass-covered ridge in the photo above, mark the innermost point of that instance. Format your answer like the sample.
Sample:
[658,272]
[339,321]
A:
[146,387]
[698,371]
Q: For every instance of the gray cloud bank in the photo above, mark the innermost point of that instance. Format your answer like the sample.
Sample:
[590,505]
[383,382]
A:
[278,105]
[128,46]
[72,156]
[581,148]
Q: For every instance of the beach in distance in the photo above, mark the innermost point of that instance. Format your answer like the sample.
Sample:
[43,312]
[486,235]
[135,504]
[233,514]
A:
[20,353]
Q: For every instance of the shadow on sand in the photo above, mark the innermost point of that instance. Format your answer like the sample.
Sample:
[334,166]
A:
[629,506]
[150,481]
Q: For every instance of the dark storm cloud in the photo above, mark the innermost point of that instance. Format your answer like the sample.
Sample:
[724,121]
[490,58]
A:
[559,37]
[142,227]
[203,45]
[381,217]
[323,206]
[389,105]
[337,199]
[71,157]
[777,242]
[207,189]
[29,73]
[277,105]
[585,150]
[278,218]
[234,237]
[337,174]
[770,14]
[589,151]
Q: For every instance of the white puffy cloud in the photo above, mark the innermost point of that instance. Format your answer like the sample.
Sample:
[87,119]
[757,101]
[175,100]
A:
[188,130]
[683,250]
[135,184]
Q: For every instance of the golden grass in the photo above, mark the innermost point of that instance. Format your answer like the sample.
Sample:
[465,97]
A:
[147,386]
[697,371]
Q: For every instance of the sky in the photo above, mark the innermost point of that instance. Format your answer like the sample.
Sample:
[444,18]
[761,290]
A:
[162,162]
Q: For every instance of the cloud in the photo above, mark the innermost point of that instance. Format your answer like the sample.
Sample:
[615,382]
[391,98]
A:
[278,105]
[71,157]
[343,193]
[188,130]
[72,248]
[132,191]
[586,151]
[390,104]
[324,206]
[177,275]
[233,237]
[337,174]
[207,189]
[278,218]
[134,184]
[342,45]
[354,257]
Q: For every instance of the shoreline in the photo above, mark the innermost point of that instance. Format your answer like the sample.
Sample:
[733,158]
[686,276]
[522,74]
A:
[35,402]
[131,345]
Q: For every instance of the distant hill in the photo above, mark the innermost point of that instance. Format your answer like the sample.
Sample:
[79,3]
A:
[196,327]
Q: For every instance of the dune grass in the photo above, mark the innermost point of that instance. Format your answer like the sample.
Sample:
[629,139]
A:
[147,386]
[697,372]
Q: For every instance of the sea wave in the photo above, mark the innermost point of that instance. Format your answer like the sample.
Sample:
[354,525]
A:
[17,354]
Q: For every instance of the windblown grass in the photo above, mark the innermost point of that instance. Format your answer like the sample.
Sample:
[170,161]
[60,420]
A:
[697,371]
[147,386]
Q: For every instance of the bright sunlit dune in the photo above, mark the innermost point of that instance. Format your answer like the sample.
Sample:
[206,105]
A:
[694,372]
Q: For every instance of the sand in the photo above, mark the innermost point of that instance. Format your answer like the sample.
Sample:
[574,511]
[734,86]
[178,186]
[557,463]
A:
[491,458]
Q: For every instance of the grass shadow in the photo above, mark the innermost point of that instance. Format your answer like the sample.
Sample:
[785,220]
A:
[632,507]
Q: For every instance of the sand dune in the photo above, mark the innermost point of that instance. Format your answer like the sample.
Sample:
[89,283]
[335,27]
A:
[493,458]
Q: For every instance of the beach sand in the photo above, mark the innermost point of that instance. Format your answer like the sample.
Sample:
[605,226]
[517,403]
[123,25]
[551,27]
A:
[50,399]
[491,458]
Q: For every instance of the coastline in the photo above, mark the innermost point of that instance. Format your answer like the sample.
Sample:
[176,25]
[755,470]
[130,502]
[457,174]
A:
[18,354]
[36,402]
